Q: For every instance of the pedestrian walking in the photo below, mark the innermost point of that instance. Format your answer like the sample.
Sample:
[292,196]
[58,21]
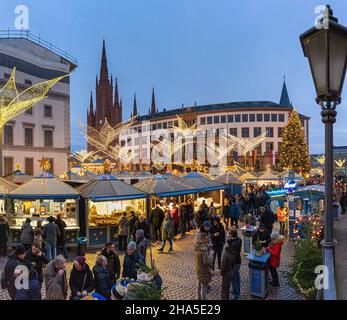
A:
[226,213]
[236,245]
[227,270]
[27,234]
[50,234]
[234,213]
[123,227]
[156,218]
[168,232]
[217,234]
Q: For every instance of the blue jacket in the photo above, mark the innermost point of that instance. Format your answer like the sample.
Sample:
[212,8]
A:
[234,210]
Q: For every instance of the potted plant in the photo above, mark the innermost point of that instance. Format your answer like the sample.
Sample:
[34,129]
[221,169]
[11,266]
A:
[258,248]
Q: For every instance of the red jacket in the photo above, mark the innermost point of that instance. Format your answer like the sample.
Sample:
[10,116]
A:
[275,250]
[174,215]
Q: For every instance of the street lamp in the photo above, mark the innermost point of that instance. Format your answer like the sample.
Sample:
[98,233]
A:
[325,46]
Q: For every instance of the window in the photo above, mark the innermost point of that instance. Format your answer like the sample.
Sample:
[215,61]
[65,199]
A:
[230,118]
[164,125]
[176,123]
[280,130]
[51,162]
[245,133]
[233,131]
[8,135]
[28,82]
[281,117]
[48,111]
[237,118]
[29,166]
[269,146]
[303,122]
[48,138]
[256,131]
[170,124]
[154,126]
[139,129]
[260,117]
[159,126]
[202,120]
[252,117]
[245,118]
[216,119]
[8,165]
[209,120]
[274,117]
[270,132]
[223,119]
[266,117]
[29,111]
[28,136]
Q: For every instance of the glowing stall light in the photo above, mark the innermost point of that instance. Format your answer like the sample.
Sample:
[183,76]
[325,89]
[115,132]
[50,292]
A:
[185,130]
[320,159]
[83,155]
[340,163]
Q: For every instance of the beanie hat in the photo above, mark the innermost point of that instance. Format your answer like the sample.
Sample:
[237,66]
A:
[206,224]
[262,225]
[132,245]
[19,250]
[81,260]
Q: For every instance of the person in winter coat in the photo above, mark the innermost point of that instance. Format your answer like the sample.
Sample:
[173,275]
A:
[123,227]
[275,258]
[226,213]
[202,215]
[38,259]
[227,270]
[54,292]
[51,233]
[282,218]
[343,201]
[38,239]
[236,244]
[9,277]
[175,217]
[102,280]
[217,234]
[141,243]
[189,213]
[182,215]
[262,235]
[55,274]
[27,234]
[4,230]
[168,232]
[142,224]
[132,259]
[113,262]
[61,238]
[205,228]
[234,213]
[212,211]
[203,264]
[132,220]
[267,218]
[81,279]
[156,218]
[241,202]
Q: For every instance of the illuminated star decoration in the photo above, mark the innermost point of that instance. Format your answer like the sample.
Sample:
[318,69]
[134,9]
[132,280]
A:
[44,164]
[83,155]
[320,159]
[13,103]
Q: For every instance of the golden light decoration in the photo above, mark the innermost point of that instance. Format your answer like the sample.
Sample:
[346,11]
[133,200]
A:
[320,159]
[44,164]
[218,153]
[245,145]
[83,155]
[183,129]
[13,103]
[17,166]
[340,163]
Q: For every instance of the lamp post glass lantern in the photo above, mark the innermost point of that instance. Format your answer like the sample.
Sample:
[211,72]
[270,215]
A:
[325,46]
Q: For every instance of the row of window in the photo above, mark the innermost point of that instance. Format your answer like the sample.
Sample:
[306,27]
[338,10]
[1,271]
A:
[257,131]
[47,111]
[28,165]
[28,136]
[26,81]
[267,117]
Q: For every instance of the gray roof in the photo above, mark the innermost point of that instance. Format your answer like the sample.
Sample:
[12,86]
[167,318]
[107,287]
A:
[228,178]
[200,181]
[108,188]
[6,186]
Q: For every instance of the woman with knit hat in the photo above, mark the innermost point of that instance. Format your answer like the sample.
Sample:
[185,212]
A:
[81,279]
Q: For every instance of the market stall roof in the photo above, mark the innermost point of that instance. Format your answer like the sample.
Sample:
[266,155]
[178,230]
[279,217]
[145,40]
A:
[248,177]
[269,175]
[44,186]
[165,186]
[228,178]
[74,177]
[127,174]
[290,175]
[6,187]
[200,181]
[109,188]
[18,177]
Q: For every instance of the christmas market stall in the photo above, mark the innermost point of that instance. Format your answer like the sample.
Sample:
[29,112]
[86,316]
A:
[18,177]
[103,201]
[234,184]
[40,198]
[5,188]
[133,177]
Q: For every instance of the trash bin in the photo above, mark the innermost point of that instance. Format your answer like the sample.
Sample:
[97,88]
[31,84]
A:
[258,274]
[248,232]
[82,246]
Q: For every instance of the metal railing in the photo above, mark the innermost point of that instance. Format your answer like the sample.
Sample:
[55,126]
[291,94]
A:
[26,34]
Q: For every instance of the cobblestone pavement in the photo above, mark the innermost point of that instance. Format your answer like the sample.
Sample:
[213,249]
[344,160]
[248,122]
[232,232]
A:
[179,280]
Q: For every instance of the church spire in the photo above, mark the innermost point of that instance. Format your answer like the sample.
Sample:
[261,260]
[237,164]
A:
[103,68]
[134,114]
[284,100]
[153,108]
[91,107]
[116,95]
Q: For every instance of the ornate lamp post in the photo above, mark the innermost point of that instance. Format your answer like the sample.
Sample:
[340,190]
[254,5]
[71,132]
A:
[325,46]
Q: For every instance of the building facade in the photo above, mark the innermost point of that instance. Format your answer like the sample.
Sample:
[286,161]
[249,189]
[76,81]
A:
[248,119]
[43,130]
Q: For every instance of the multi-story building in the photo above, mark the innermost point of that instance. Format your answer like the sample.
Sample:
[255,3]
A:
[247,119]
[43,130]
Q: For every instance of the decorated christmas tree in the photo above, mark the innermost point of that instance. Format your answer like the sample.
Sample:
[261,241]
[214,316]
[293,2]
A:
[293,153]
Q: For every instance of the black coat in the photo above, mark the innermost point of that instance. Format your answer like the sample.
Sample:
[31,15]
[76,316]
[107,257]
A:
[157,217]
[262,236]
[77,278]
[217,241]
[226,211]
[236,245]
[228,261]
[130,265]
[37,262]
[61,238]
[113,264]
[132,222]
[142,225]
[267,218]
[102,281]
[4,229]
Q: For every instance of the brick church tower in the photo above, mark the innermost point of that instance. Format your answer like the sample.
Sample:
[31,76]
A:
[106,107]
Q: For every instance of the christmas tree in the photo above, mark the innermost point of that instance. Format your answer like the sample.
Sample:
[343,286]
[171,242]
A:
[293,153]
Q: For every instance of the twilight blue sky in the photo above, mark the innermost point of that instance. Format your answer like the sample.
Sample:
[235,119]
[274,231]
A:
[207,51]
